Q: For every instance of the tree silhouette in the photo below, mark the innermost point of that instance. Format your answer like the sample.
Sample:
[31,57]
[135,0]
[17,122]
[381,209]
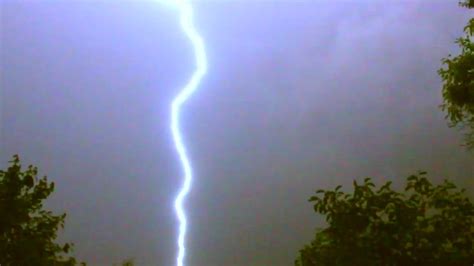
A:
[458,83]
[27,231]
[423,225]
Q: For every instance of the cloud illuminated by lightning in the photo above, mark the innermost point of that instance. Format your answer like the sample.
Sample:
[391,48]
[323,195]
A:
[186,20]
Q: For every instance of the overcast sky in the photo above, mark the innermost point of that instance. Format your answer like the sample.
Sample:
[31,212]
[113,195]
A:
[298,96]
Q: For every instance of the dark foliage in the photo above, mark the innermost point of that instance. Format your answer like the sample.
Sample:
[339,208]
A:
[458,83]
[27,231]
[467,3]
[424,225]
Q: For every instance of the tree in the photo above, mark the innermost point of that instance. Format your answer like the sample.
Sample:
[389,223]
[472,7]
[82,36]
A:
[458,83]
[424,225]
[27,231]
[127,262]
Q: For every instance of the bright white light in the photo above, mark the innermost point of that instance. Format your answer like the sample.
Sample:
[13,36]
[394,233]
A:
[186,20]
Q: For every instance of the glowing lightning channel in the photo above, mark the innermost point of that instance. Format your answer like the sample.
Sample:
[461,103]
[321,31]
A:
[186,19]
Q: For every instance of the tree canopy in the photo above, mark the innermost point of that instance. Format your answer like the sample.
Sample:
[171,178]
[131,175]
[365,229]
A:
[27,231]
[458,82]
[425,224]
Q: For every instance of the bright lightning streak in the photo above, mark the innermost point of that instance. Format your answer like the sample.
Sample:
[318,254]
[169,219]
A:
[186,20]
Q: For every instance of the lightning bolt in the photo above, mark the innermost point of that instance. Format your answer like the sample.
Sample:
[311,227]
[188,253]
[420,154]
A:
[186,20]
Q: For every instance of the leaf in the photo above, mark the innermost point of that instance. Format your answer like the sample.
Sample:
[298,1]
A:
[29,181]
